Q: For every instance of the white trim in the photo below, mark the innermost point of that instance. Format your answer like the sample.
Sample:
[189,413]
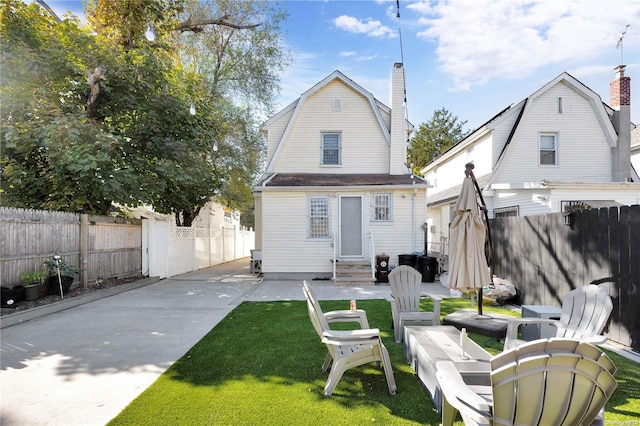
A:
[327,197]
[362,227]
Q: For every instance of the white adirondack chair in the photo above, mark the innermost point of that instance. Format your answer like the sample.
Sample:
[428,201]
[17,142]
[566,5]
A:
[546,382]
[585,312]
[406,288]
[343,315]
[347,349]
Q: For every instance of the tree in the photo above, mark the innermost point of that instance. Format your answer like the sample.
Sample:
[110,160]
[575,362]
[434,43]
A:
[241,69]
[53,156]
[434,137]
[97,115]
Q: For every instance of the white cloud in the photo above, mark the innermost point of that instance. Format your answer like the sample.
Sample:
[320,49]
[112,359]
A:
[370,27]
[367,58]
[347,54]
[479,40]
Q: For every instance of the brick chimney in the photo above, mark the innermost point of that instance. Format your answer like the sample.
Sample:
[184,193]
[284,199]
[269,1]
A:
[620,92]
[399,135]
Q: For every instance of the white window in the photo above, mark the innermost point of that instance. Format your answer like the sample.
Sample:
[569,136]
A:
[331,149]
[548,149]
[337,105]
[381,207]
[319,216]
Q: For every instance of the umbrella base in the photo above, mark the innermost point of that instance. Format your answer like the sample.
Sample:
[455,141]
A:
[494,325]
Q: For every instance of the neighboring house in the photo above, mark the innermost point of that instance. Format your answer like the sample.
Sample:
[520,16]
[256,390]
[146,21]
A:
[635,148]
[561,148]
[336,183]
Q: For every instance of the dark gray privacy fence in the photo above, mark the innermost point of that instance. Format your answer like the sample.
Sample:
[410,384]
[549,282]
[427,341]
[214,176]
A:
[545,258]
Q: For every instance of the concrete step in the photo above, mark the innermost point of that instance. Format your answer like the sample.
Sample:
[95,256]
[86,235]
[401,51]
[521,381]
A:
[354,281]
[354,273]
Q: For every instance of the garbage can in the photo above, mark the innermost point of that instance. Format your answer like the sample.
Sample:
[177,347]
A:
[407,259]
[382,268]
[427,266]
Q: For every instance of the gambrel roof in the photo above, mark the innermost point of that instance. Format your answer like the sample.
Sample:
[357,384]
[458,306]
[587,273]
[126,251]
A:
[376,106]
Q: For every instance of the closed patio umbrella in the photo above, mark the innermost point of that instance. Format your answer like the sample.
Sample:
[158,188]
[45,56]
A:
[468,268]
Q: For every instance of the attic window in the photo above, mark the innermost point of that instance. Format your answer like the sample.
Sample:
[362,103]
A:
[337,105]
[560,105]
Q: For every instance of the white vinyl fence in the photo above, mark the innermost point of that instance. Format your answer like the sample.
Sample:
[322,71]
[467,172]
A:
[178,250]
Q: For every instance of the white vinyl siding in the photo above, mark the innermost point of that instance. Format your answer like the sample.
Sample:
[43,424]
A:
[381,205]
[331,149]
[319,217]
[286,247]
[364,146]
[548,149]
[583,153]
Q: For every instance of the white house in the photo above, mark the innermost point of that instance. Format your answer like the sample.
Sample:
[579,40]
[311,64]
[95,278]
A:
[336,187]
[558,149]
[635,148]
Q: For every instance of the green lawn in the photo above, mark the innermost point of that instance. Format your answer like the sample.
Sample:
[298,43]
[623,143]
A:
[261,365]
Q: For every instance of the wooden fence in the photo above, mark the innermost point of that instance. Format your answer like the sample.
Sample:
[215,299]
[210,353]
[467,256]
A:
[545,259]
[103,246]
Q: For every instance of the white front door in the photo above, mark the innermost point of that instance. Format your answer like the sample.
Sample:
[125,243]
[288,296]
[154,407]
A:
[351,236]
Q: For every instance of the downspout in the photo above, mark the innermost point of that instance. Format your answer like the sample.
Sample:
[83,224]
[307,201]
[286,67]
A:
[413,216]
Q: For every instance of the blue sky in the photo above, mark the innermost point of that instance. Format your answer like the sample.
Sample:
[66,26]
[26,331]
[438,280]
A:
[472,57]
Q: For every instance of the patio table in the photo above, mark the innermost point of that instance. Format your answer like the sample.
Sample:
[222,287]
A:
[424,346]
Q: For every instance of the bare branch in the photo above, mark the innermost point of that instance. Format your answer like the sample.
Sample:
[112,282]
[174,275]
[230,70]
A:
[197,26]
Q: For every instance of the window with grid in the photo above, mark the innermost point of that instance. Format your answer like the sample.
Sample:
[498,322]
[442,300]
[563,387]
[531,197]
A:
[381,208]
[331,149]
[548,148]
[319,217]
[506,211]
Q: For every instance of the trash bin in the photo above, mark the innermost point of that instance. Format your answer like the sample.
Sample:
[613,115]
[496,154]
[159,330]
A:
[382,268]
[407,259]
[428,267]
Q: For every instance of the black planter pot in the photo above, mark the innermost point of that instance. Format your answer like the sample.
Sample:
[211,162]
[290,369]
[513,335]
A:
[54,285]
[10,296]
[31,292]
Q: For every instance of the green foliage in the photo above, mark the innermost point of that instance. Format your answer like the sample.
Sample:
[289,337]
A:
[31,278]
[65,268]
[137,143]
[434,137]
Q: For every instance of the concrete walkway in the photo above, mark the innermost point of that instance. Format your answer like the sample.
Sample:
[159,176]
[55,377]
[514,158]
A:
[82,366]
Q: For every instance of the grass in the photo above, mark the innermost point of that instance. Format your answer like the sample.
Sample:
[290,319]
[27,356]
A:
[261,365]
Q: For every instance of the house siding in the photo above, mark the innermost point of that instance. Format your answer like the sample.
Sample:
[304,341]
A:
[625,196]
[583,154]
[451,173]
[364,146]
[285,246]
[276,131]
[287,250]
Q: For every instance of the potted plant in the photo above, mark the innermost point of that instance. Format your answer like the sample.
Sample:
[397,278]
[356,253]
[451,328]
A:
[60,275]
[33,283]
